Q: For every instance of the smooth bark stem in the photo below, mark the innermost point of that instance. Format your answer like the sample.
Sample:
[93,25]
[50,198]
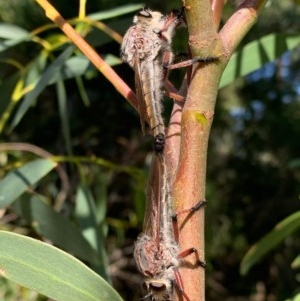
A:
[189,185]
[197,115]
[173,135]
[196,121]
[203,37]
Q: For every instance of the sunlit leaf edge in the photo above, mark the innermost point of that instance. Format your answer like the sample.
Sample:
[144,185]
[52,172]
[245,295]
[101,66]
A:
[256,54]
[19,180]
[50,271]
[270,241]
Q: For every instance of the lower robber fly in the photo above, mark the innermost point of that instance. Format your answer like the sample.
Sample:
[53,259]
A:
[156,251]
[146,48]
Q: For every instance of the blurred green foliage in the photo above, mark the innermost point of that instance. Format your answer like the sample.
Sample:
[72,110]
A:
[78,117]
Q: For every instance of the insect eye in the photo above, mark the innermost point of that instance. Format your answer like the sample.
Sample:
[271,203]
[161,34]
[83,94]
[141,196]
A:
[144,13]
[157,287]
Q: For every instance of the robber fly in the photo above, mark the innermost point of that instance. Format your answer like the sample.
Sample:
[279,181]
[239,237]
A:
[156,251]
[146,48]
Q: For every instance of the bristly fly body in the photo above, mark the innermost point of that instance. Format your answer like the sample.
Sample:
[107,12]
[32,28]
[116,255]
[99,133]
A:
[156,251]
[146,48]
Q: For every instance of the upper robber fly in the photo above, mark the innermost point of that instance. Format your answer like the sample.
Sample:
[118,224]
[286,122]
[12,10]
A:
[146,48]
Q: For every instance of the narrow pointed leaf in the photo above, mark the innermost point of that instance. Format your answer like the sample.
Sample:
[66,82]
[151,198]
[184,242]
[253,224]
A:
[12,32]
[296,263]
[86,217]
[270,241]
[19,180]
[12,35]
[55,227]
[257,53]
[51,72]
[115,12]
[295,298]
[50,271]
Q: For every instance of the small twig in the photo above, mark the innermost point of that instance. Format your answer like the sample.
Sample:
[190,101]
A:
[91,54]
[240,23]
[217,9]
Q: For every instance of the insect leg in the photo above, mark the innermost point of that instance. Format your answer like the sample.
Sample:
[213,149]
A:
[192,250]
[179,284]
[170,91]
[190,62]
[191,210]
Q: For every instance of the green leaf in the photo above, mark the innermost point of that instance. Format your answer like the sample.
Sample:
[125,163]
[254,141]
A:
[79,65]
[294,164]
[50,271]
[12,35]
[86,216]
[296,263]
[270,241]
[64,114]
[35,68]
[6,89]
[115,12]
[43,217]
[257,53]
[295,298]
[18,181]
[51,72]
[74,66]
[12,32]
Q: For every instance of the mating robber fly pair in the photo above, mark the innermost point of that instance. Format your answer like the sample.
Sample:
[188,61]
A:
[146,48]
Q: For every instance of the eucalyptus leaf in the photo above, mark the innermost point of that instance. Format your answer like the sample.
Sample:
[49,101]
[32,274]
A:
[55,227]
[295,298]
[270,241]
[50,271]
[6,89]
[86,216]
[12,32]
[12,35]
[296,263]
[51,72]
[116,12]
[257,53]
[19,180]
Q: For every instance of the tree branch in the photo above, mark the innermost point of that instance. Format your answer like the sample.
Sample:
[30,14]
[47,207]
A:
[197,117]
[240,23]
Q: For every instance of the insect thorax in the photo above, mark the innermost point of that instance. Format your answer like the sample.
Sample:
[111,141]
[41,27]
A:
[144,40]
[154,259]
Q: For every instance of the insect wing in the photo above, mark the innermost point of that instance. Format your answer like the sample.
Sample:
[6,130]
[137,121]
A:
[152,219]
[128,52]
[140,95]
